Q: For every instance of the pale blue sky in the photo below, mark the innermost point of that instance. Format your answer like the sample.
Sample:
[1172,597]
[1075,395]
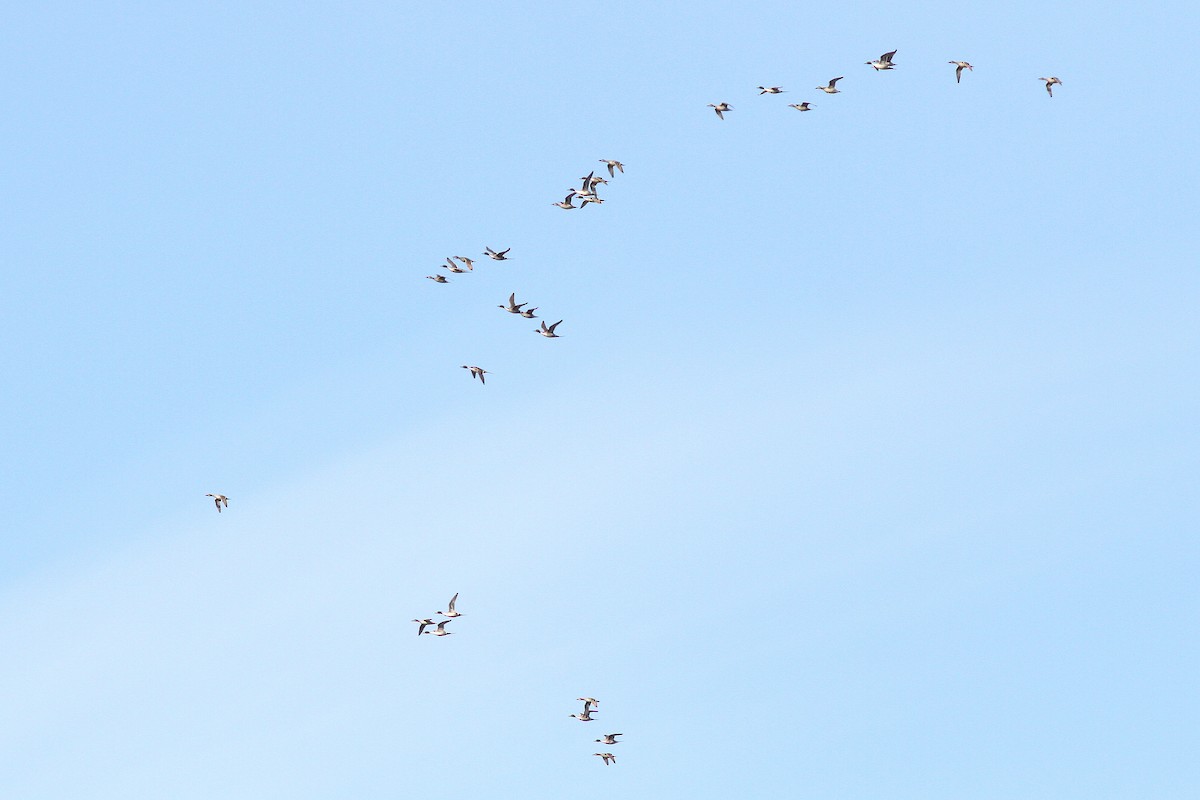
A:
[864,466]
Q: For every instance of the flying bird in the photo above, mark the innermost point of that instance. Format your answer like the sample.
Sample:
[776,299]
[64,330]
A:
[721,109]
[476,372]
[513,307]
[959,67]
[450,612]
[588,702]
[423,623]
[586,716]
[492,254]
[527,313]
[770,90]
[549,332]
[450,265]
[1050,84]
[565,202]
[805,106]
[219,499]
[609,738]
[830,88]
[883,62]
[438,278]
[468,261]
[612,164]
[609,758]
[441,629]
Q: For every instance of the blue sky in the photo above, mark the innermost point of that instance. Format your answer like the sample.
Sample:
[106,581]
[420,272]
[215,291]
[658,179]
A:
[864,466]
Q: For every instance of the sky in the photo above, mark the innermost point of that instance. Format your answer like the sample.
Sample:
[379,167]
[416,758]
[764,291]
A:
[864,466]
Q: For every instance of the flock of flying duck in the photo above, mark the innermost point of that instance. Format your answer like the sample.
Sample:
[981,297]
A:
[587,194]
[881,63]
[608,738]
[440,629]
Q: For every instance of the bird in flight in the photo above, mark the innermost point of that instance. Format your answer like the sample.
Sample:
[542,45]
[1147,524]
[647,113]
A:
[513,307]
[830,88]
[612,164]
[549,332]
[219,499]
[721,109]
[1050,84]
[492,254]
[770,90]
[883,62]
[609,758]
[959,67]
[441,629]
[423,623]
[438,278]
[450,612]
[468,261]
[609,738]
[476,372]
[805,106]
[565,202]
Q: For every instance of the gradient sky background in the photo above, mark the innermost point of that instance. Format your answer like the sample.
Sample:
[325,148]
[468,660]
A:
[865,466]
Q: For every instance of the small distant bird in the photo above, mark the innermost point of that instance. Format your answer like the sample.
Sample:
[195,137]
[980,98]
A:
[609,758]
[566,201]
[612,164]
[1050,84]
[468,261]
[450,265]
[883,62]
[770,90]
[219,499]
[450,612]
[527,313]
[609,738]
[592,198]
[586,716]
[476,372]
[829,89]
[513,307]
[959,67]
[549,332]
[592,180]
[438,278]
[588,702]
[441,629]
[721,109]
[424,623]
[805,106]
[492,254]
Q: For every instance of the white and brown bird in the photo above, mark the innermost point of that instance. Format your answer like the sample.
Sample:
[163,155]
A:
[477,372]
[1050,84]
[549,332]
[450,265]
[609,738]
[720,108]
[423,623]
[586,716]
[805,106]
[470,262]
[438,278]
[883,62]
[441,629]
[512,307]
[609,758]
[959,66]
[566,202]
[770,90]
[588,702]
[492,254]
[830,89]
[219,499]
[610,163]
[450,612]
[527,313]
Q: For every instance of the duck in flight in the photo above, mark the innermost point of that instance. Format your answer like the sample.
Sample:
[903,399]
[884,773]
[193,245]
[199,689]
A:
[805,106]
[492,254]
[720,108]
[770,90]
[549,332]
[612,164]
[609,738]
[441,629]
[609,758]
[423,623]
[1050,84]
[959,66]
[468,261]
[513,307]
[450,612]
[883,62]
[438,278]
[219,499]
[565,203]
[830,88]
[476,372]
[450,265]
